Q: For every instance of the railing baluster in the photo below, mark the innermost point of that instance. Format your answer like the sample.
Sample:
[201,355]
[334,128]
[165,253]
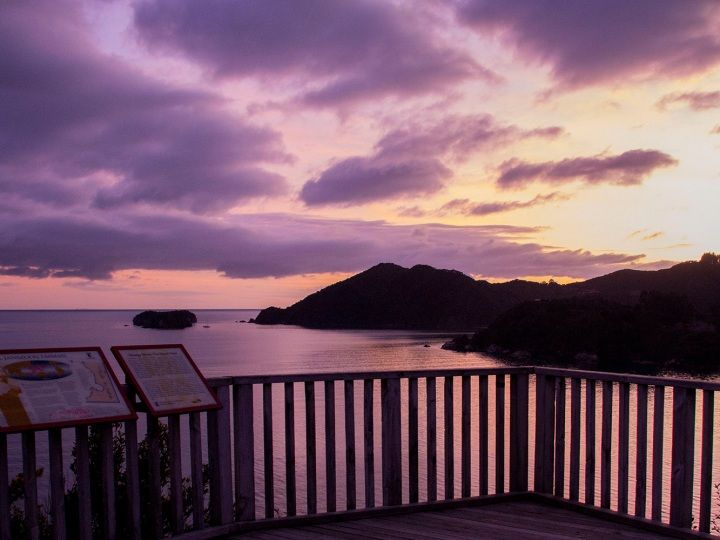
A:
[641,452]
[196,470]
[391,442]
[431,402]
[177,523]
[310,447]
[132,472]
[107,476]
[82,476]
[449,456]
[706,459]
[465,428]
[350,489]
[4,494]
[268,460]
[544,433]
[606,444]
[657,464]
[590,442]
[330,471]
[574,488]
[30,485]
[214,470]
[219,460]
[483,443]
[560,437]
[683,457]
[500,433]
[244,434]
[413,487]
[290,495]
[153,439]
[623,446]
[57,484]
[519,432]
[369,442]
[225,489]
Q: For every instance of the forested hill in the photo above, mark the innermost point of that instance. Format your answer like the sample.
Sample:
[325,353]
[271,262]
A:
[388,296]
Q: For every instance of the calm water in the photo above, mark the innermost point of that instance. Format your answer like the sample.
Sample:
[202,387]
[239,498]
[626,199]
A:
[228,347]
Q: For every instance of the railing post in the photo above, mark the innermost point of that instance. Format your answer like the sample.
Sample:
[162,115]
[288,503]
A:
[683,457]
[155,482]
[30,485]
[82,476]
[391,442]
[606,443]
[244,452]
[57,484]
[107,472]
[219,461]
[449,456]
[519,432]
[4,495]
[132,472]
[225,460]
[544,432]
[177,510]
[706,462]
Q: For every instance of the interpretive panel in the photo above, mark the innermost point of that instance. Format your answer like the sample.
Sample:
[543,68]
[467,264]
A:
[166,378]
[45,388]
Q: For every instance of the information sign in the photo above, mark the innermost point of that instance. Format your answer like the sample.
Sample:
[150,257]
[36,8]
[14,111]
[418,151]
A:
[47,388]
[166,378]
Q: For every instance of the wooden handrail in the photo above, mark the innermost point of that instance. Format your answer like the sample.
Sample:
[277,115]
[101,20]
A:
[328,410]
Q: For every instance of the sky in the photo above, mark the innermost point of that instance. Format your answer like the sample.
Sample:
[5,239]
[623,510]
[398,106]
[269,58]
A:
[229,154]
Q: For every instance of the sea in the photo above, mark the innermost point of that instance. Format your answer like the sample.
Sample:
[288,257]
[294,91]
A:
[223,343]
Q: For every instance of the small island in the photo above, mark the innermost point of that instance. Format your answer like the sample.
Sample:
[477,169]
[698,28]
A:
[165,320]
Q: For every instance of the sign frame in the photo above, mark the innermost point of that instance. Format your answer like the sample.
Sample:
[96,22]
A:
[144,398]
[42,426]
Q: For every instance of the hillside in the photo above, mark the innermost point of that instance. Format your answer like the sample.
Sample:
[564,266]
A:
[659,331]
[388,296]
[392,297]
[698,281]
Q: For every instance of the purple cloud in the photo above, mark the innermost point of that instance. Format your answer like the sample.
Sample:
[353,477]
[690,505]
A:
[408,161]
[599,41]
[628,168]
[698,101]
[253,246]
[361,180]
[470,208]
[77,126]
[338,52]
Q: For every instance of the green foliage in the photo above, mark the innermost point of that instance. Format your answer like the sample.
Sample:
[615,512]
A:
[17,513]
[710,258]
[122,503]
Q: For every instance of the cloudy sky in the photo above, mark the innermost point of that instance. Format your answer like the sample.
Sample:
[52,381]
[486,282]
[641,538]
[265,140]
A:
[229,153]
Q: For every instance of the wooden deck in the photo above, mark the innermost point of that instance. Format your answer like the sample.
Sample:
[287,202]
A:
[504,520]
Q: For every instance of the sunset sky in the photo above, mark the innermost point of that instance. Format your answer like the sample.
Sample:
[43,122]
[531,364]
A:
[228,153]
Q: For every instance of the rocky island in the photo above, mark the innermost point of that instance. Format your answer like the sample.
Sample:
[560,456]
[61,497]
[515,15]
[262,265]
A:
[165,320]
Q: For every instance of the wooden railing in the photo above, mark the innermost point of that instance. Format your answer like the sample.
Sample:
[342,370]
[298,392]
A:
[267,449]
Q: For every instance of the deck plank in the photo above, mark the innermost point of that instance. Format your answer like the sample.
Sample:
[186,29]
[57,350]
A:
[504,520]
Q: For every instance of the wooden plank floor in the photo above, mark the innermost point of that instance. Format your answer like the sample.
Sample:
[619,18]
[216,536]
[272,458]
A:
[510,520]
